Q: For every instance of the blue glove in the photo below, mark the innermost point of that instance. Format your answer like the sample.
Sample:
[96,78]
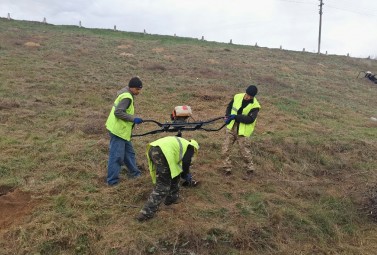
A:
[138,120]
[189,181]
[229,118]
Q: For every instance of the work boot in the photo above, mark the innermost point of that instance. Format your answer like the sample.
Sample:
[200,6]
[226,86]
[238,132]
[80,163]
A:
[143,217]
[191,183]
[169,201]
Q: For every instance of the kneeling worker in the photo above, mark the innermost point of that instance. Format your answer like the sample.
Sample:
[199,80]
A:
[169,158]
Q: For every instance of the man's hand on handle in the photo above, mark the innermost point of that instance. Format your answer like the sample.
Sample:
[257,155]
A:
[138,120]
[229,118]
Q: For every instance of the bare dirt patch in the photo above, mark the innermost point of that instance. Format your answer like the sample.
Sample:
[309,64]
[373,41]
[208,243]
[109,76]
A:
[370,204]
[14,206]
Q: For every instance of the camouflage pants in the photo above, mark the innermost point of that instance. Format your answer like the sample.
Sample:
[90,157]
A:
[166,187]
[231,138]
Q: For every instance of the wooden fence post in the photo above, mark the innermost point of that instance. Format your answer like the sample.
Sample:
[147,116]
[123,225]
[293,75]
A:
[230,41]
[8,16]
[115,28]
[303,49]
[80,23]
[145,32]
[202,38]
[44,20]
[256,44]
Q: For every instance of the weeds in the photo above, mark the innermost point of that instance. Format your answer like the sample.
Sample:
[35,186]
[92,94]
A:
[314,146]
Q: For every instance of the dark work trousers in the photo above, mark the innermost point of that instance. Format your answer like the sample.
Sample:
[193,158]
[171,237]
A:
[166,187]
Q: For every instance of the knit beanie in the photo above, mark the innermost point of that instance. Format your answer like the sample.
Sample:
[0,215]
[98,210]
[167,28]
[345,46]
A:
[135,82]
[252,90]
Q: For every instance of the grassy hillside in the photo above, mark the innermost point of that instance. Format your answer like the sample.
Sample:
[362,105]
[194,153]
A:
[315,144]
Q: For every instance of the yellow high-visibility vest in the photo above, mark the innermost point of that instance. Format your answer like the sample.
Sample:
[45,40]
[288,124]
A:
[173,148]
[117,126]
[243,129]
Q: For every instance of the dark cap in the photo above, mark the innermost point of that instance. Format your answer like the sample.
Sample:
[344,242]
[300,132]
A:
[252,90]
[135,82]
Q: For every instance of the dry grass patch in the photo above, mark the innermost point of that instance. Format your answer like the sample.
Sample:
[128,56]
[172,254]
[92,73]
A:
[32,45]
[124,46]
[155,67]
[158,50]
[124,54]
[170,58]
[7,104]
[213,61]
[313,147]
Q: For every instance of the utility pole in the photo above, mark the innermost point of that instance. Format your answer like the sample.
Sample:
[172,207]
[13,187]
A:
[320,26]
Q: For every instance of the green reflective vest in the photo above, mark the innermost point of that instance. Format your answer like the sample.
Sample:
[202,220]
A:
[174,148]
[243,129]
[119,127]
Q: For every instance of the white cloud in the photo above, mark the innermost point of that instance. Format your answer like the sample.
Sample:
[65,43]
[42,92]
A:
[348,26]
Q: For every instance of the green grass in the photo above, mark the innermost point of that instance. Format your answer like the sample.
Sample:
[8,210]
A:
[314,146]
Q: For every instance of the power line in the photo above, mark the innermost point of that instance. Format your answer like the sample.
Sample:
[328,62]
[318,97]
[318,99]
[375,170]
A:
[298,2]
[334,7]
[353,11]
[352,3]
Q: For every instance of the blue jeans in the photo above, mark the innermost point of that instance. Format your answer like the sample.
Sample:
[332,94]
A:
[121,152]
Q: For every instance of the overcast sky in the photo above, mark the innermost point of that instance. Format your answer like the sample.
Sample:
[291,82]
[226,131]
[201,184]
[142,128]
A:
[348,26]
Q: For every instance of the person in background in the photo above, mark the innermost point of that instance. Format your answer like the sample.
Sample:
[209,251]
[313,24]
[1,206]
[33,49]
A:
[241,115]
[169,159]
[120,122]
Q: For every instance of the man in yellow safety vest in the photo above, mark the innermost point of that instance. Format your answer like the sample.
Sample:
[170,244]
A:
[242,112]
[119,124]
[169,159]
